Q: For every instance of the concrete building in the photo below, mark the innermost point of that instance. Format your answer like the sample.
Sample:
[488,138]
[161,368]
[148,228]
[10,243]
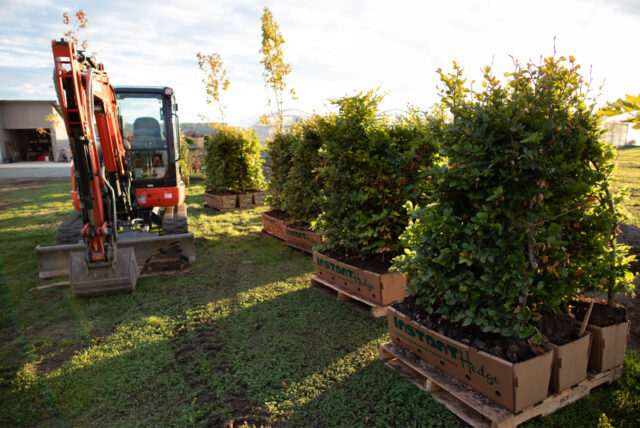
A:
[27,135]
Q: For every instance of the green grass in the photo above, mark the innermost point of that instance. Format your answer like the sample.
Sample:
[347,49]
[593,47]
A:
[241,337]
[627,176]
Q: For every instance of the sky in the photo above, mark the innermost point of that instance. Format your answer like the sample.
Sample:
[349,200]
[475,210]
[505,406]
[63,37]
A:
[335,47]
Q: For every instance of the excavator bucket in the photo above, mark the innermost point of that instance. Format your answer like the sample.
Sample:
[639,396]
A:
[120,277]
[151,256]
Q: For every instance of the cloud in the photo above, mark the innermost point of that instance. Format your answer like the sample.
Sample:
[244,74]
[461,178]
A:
[334,47]
[626,6]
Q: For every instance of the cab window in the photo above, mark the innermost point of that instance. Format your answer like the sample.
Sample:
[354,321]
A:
[143,127]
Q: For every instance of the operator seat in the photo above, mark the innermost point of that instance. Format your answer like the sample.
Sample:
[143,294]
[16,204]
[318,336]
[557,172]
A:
[146,134]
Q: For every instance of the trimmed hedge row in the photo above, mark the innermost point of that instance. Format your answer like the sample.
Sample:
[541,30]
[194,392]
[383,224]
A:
[232,161]
[510,213]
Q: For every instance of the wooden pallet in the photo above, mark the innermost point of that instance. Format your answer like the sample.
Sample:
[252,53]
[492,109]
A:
[359,303]
[473,407]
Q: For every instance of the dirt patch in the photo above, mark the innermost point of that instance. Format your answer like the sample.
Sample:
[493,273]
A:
[57,359]
[51,296]
[196,346]
[378,263]
[16,184]
[508,348]
[188,345]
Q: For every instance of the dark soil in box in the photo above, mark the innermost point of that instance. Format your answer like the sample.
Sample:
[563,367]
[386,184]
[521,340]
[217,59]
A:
[558,329]
[602,314]
[279,214]
[508,348]
[377,263]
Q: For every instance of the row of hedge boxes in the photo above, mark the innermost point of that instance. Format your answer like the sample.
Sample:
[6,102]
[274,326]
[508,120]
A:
[232,201]
[515,386]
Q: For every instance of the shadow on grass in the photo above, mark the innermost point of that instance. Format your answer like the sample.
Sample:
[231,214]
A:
[374,395]
[215,362]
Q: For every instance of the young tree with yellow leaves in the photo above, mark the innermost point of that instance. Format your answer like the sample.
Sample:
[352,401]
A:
[275,69]
[215,80]
[81,22]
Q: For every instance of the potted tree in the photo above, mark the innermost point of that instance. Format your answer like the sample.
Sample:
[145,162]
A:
[511,231]
[371,167]
[233,168]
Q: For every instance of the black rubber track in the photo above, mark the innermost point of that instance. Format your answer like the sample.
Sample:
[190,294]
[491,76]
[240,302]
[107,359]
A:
[69,232]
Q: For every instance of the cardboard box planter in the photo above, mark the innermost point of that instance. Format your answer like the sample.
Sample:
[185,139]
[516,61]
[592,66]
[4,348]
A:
[302,239]
[258,198]
[382,289]
[221,201]
[608,345]
[515,386]
[274,226]
[245,200]
[569,362]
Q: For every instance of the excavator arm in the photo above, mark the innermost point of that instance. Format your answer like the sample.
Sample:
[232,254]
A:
[85,95]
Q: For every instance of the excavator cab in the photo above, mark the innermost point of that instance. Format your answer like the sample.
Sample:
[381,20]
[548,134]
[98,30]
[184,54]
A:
[149,126]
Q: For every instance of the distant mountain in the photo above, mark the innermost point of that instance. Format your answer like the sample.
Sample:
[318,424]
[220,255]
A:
[200,128]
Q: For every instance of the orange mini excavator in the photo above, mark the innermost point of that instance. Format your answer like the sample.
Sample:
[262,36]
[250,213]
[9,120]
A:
[125,178]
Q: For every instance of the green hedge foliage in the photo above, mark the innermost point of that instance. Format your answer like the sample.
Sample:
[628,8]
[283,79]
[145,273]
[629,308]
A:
[520,217]
[303,185]
[371,168]
[280,151]
[232,160]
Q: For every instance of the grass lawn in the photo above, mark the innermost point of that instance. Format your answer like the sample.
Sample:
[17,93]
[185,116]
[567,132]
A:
[627,176]
[239,338]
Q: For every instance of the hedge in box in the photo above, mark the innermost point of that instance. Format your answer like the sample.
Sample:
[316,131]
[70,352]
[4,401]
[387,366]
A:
[280,152]
[232,160]
[372,167]
[304,183]
[520,216]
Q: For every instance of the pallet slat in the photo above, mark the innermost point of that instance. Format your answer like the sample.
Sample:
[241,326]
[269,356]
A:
[473,407]
[357,302]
